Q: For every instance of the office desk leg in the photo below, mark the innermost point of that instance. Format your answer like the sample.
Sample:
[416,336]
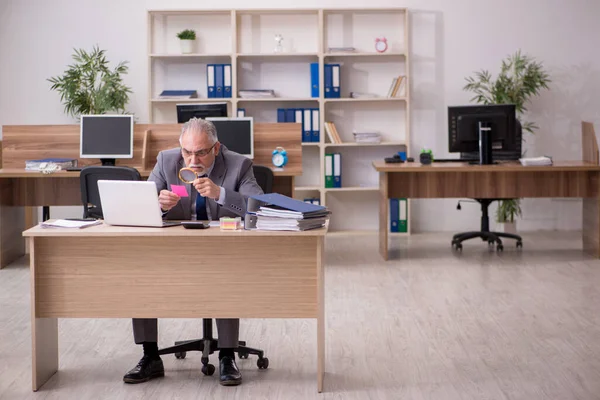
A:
[320,314]
[12,225]
[591,226]
[44,337]
[383,214]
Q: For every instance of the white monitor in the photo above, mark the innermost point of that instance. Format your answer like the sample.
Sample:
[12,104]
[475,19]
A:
[236,133]
[106,136]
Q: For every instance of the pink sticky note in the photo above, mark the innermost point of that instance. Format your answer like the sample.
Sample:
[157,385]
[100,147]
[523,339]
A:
[179,190]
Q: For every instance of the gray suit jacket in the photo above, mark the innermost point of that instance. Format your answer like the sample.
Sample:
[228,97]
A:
[232,171]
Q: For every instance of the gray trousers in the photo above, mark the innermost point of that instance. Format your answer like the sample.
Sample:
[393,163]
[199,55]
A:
[228,330]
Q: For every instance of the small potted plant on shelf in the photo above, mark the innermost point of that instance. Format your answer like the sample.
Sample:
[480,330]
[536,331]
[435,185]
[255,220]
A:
[187,39]
[520,78]
[506,213]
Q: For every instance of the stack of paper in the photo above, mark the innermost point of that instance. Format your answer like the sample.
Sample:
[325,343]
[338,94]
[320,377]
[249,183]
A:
[367,137]
[275,212]
[256,93]
[66,223]
[536,161]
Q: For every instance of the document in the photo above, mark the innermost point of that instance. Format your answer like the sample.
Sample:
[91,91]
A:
[66,223]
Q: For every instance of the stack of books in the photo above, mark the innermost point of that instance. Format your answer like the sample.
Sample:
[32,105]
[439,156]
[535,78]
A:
[398,87]
[276,212]
[256,93]
[367,137]
[334,136]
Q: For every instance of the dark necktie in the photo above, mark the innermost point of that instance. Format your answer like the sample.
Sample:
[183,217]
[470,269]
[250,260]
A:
[201,208]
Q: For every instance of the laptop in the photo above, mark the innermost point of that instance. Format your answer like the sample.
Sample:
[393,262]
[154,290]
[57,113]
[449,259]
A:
[131,203]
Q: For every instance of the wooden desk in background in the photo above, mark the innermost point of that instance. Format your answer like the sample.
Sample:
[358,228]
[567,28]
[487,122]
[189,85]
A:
[275,275]
[21,191]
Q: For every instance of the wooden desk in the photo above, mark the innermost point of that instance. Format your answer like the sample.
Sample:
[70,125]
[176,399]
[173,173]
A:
[510,180]
[20,188]
[74,276]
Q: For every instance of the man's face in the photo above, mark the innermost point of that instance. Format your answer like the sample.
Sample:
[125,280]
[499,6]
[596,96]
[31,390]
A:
[198,151]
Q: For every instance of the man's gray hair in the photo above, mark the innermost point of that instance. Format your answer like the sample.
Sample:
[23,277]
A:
[198,126]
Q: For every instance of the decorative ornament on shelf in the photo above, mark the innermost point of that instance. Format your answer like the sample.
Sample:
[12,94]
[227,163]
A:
[187,38]
[279,157]
[381,45]
[278,45]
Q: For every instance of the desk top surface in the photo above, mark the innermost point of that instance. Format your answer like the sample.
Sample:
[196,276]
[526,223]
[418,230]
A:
[22,173]
[511,166]
[129,231]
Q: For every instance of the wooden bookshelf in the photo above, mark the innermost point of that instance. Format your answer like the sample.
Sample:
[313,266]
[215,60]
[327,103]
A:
[245,39]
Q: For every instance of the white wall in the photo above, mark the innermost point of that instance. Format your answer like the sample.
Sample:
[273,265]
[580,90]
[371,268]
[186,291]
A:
[450,40]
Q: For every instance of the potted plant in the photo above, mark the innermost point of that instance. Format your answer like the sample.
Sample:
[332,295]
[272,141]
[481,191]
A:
[187,39]
[520,78]
[90,87]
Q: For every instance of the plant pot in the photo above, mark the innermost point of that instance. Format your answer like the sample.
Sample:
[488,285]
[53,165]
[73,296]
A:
[187,46]
[508,227]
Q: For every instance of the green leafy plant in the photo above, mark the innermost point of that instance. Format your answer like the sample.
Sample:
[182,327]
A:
[508,210]
[187,34]
[89,86]
[520,78]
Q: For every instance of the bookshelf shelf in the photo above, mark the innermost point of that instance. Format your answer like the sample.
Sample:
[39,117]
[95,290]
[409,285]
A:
[245,39]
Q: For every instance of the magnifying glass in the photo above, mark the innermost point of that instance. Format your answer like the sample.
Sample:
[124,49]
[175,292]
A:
[188,175]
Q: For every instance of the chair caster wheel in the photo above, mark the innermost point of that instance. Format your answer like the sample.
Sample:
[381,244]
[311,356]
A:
[500,248]
[519,245]
[180,355]
[262,363]
[243,356]
[490,242]
[208,369]
[458,246]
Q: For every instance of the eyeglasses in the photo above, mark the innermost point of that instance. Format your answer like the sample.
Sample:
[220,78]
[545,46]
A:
[199,153]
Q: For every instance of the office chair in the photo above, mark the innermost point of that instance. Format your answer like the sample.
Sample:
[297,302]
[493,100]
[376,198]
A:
[88,179]
[209,344]
[484,233]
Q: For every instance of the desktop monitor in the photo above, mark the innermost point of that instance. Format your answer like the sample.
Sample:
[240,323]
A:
[106,137]
[237,134]
[484,132]
[185,112]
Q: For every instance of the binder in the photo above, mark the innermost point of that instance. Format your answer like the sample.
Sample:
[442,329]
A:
[402,215]
[394,216]
[219,80]
[290,115]
[328,170]
[285,203]
[314,79]
[316,134]
[280,115]
[210,81]
[241,112]
[227,80]
[316,201]
[337,170]
[328,92]
[335,81]
[309,201]
[306,125]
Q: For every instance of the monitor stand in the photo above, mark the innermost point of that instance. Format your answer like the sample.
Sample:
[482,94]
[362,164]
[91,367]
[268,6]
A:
[108,162]
[485,145]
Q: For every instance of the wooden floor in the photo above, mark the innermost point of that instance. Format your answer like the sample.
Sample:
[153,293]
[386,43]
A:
[429,325]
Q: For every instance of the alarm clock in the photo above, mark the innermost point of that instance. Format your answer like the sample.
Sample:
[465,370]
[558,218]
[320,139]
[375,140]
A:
[381,45]
[279,157]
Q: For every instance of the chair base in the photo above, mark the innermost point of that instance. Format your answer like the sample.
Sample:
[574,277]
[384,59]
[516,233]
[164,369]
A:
[486,236]
[208,345]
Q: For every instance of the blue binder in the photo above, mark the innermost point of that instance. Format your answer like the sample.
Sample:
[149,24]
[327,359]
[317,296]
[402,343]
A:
[219,81]
[306,125]
[394,217]
[210,81]
[337,170]
[280,115]
[335,81]
[241,112]
[328,90]
[286,203]
[314,79]
[290,115]
[316,132]
[227,80]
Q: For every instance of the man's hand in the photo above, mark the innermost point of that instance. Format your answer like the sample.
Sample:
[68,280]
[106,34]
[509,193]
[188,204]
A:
[167,200]
[207,188]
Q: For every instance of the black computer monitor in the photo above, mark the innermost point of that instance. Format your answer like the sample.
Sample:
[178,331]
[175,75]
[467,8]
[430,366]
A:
[185,112]
[484,132]
[106,137]
[237,134]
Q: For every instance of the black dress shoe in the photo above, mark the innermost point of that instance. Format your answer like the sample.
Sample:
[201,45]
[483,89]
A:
[230,374]
[145,370]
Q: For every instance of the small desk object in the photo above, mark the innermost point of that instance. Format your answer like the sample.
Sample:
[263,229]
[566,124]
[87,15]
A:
[115,272]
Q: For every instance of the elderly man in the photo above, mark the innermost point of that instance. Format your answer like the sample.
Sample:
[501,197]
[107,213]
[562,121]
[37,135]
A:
[222,191]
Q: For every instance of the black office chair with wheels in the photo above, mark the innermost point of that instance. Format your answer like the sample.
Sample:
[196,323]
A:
[484,233]
[88,179]
[209,344]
